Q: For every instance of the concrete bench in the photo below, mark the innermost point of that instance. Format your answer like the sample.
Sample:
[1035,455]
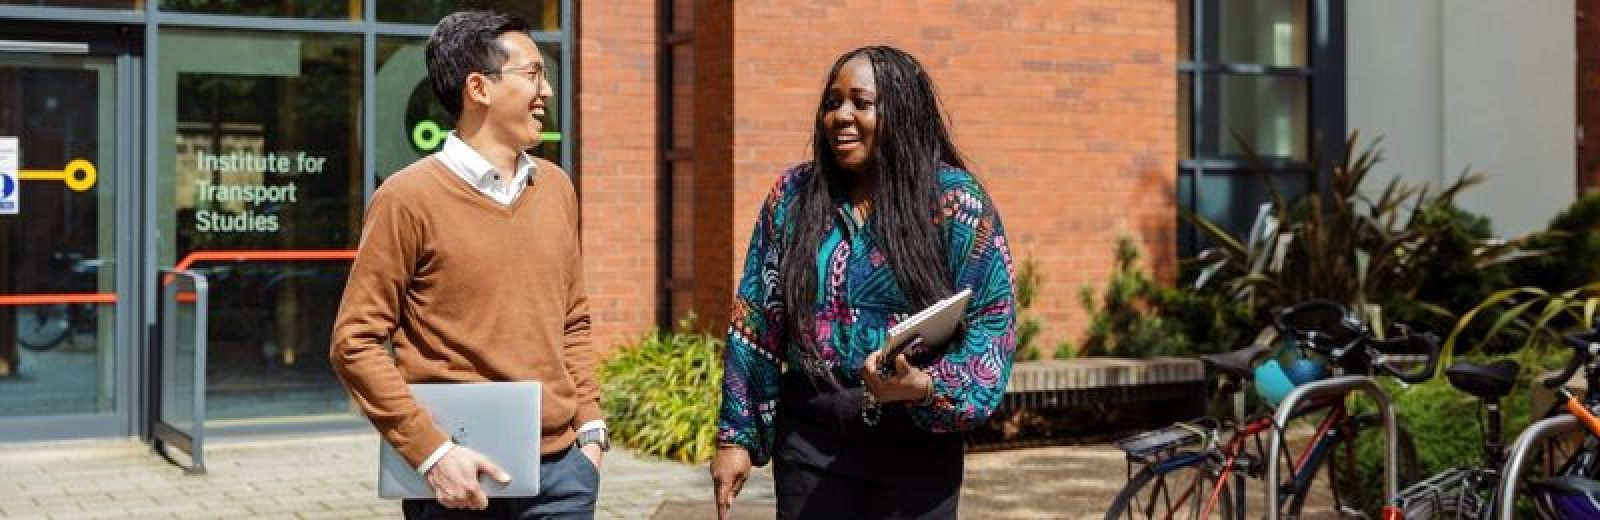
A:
[1049,389]
[1103,381]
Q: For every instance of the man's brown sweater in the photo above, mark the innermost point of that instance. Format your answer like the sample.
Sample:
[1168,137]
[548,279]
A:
[468,290]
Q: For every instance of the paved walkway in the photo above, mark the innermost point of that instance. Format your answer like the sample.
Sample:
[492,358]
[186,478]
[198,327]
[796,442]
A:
[331,476]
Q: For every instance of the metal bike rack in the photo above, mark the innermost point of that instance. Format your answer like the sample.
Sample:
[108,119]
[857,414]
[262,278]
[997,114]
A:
[1516,462]
[176,288]
[1330,388]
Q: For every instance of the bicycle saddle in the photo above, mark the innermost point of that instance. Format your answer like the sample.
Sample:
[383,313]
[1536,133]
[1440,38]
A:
[1491,381]
[1236,363]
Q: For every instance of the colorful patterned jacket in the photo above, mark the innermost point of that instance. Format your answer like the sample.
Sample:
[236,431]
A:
[858,301]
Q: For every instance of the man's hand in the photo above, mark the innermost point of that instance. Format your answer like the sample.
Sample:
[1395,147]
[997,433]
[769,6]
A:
[907,384]
[594,453]
[729,470]
[454,479]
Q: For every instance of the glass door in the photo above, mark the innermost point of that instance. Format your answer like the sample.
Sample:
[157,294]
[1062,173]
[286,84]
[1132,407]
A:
[260,190]
[65,325]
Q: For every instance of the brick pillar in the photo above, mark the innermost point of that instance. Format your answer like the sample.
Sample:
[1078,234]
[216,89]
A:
[714,222]
[1588,75]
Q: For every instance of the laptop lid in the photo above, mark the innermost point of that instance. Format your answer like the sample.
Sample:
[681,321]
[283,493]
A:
[499,420]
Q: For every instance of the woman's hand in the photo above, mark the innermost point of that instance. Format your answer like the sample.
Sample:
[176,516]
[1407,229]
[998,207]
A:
[730,467]
[907,383]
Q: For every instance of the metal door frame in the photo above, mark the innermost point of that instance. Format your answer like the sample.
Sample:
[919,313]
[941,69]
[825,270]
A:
[124,417]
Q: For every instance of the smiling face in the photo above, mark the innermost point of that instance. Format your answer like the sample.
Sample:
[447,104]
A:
[517,94]
[850,115]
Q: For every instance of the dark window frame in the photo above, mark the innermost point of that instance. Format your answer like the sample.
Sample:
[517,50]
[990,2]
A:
[1324,71]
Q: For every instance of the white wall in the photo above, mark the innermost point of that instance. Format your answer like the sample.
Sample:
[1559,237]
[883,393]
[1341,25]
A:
[1486,84]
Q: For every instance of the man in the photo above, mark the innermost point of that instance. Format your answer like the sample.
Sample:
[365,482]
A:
[469,264]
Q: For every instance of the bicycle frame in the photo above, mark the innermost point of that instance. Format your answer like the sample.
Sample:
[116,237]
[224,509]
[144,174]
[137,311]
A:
[1516,464]
[1338,387]
[1310,458]
[1557,422]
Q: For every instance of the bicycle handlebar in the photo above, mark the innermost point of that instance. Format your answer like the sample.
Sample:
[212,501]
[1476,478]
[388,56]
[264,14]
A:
[1581,343]
[1371,350]
[1421,376]
[1283,325]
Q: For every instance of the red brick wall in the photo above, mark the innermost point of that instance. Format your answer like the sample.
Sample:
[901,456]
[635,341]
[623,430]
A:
[1066,108]
[617,164]
[1588,74]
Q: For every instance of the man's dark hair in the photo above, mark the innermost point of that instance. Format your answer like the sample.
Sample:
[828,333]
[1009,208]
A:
[463,43]
[913,143]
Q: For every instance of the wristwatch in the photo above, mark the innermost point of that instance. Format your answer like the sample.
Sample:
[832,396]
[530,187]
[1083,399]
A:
[594,436]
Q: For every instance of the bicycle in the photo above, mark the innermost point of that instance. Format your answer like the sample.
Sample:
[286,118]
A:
[1200,468]
[1566,487]
[1467,492]
[47,326]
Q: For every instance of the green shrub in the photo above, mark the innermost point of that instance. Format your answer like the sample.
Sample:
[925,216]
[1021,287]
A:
[1137,317]
[1571,245]
[1028,325]
[1351,242]
[1455,272]
[1445,423]
[1530,314]
[659,394]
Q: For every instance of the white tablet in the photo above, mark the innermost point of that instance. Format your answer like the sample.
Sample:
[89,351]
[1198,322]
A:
[936,324]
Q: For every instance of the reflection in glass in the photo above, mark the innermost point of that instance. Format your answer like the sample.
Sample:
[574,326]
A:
[179,351]
[1231,198]
[542,15]
[1266,32]
[1267,112]
[412,124]
[337,9]
[1185,116]
[101,4]
[58,357]
[265,156]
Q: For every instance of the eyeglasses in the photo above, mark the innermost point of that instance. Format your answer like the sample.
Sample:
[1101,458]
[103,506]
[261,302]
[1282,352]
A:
[534,72]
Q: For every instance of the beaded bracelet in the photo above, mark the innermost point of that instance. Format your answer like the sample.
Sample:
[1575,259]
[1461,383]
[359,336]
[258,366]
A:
[871,409]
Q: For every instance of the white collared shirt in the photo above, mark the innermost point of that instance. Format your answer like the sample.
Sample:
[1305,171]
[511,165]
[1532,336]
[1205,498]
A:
[468,164]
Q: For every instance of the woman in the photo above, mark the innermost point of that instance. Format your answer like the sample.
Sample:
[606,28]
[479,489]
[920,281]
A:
[882,222]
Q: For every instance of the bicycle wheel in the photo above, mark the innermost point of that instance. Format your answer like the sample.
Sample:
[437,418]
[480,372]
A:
[1353,489]
[42,327]
[1176,487]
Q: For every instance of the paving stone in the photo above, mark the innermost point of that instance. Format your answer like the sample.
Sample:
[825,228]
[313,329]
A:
[331,476]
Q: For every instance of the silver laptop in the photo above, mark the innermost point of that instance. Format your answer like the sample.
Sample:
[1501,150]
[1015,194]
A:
[499,420]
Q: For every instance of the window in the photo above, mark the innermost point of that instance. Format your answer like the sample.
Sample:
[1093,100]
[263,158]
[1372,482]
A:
[1262,76]
[543,15]
[102,4]
[326,9]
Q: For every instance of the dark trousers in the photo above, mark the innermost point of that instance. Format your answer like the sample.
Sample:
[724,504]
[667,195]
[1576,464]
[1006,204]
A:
[811,492]
[829,464]
[568,486]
